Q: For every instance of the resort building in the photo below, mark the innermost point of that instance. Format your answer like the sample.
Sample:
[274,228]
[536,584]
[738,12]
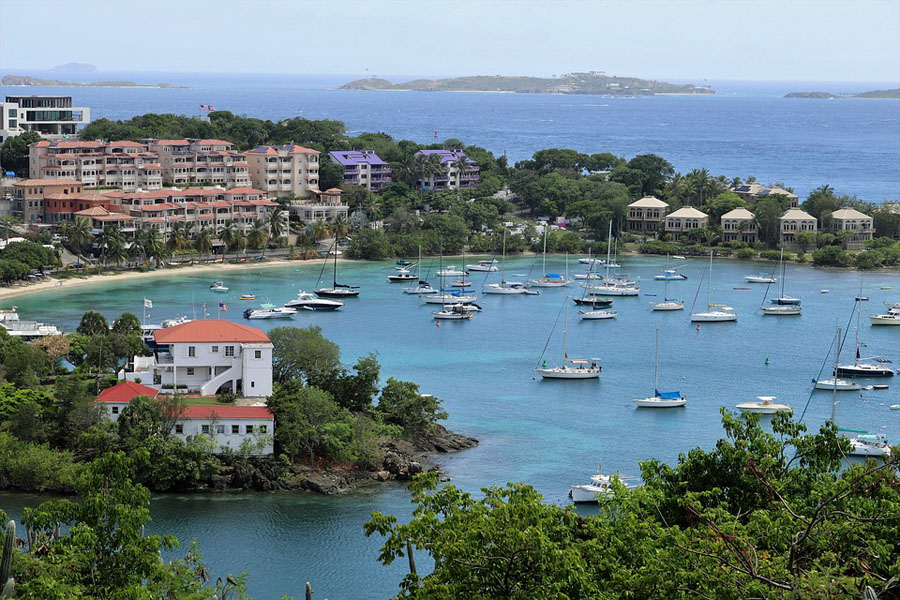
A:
[684,220]
[288,170]
[100,217]
[363,167]
[853,227]
[647,215]
[751,192]
[50,116]
[229,426]
[322,206]
[449,175]
[792,222]
[739,225]
[29,196]
[207,357]
[124,164]
[201,162]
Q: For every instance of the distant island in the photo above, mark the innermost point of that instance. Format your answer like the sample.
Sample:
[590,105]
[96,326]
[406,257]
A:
[74,67]
[595,82]
[895,93]
[22,80]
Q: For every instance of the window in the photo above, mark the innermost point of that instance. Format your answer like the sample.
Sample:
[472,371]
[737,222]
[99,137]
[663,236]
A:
[115,410]
[257,354]
[229,350]
[248,429]
[253,384]
[262,429]
[215,349]
[192,351]
[235,429]
[190,370]
[220,429]
[204,428]
[179,428]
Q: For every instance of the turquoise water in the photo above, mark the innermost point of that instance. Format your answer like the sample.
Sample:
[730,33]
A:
[548,434]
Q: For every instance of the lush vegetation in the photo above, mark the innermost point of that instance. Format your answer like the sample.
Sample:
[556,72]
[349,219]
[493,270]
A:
[762,515]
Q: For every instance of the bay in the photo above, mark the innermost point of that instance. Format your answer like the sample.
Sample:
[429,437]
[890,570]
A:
[547,434]
[747,129]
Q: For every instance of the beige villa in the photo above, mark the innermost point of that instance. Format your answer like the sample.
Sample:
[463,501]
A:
[738,225]
[859,225]
[684,220]
[792,222]
[646,215]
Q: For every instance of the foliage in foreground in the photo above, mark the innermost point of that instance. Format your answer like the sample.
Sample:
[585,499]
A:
[760,516]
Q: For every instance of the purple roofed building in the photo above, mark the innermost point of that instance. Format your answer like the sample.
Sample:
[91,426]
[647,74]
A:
[449,176]
[363,167]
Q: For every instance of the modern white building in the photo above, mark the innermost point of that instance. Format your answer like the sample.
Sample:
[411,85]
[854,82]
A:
[229,426]
[50,116]
[206,357]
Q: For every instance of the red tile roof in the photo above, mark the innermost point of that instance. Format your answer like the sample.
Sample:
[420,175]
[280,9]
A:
[171,142]
[213,143]
[209,330]
[125,143]
[125,392]
[226,412]
[245,190]
[27,182]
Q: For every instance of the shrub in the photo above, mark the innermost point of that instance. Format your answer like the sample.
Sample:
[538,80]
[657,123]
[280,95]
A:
[832,256]
[746,253]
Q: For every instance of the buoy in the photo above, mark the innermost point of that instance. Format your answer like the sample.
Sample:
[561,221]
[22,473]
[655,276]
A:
[767,360]
[698,328]
[437,323]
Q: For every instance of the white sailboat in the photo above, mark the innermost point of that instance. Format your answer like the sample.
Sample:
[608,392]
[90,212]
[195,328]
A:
[423,287]
[715,313]
[613,287]
[783,305]
[551,279]
[570,368]
[668,304]
[660,399]
[761,278]
[509,288]
[456,311]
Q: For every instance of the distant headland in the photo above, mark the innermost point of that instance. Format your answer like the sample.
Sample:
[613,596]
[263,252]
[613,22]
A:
[74,67]
[895,93]
[594,82]
[22,80]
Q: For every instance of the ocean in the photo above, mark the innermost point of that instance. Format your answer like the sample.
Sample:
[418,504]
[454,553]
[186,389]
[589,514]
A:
[550,434]
[747,129]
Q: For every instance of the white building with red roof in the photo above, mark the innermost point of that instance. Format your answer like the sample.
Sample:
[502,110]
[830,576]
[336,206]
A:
[229,426]
[284,170]
[208,357]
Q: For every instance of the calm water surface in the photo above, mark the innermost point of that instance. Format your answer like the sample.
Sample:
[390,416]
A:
[548,434]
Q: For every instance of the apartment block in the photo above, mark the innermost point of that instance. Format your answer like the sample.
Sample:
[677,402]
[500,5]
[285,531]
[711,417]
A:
[29,196]
[363,167]
[288,170]
[685,220]
[739,225]
[855,228]
[647,215]
[792,222]
[450,175]
[321,206]
[122,164]
[201,162]
[50,116]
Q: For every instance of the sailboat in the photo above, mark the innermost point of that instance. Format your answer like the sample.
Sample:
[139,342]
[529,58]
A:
[550,279]
[783,305]
[423,288]
[660,399]
[337,290]
[505,287]
[572,368]
[614,287]
[715,312]
[872,366]
[457,311]
[668,304]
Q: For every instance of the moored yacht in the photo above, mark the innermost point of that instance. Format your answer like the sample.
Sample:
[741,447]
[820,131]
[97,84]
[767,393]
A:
[869,444]
[891,317]
[761,278]
[600,485]
[764,406]
[309,301]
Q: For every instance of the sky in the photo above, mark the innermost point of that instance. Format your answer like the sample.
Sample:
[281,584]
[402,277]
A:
[752,40]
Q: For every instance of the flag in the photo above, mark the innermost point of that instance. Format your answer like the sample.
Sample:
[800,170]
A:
[148,303]
[222,307]
[211,107]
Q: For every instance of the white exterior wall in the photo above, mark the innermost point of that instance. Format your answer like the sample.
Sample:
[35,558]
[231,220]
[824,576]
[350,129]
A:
[221,430]
[114,409]
[257,371]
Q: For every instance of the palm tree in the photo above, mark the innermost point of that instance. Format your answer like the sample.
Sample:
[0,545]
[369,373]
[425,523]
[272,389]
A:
[203,241]
[318,230]
[79,232]
[340,227]
[105,240]
[735,182]
[258,234]
[699,181]
[306,243]
[461,163]
[116,250]
[276,224]
[153,246]
[229,235]
[178,237]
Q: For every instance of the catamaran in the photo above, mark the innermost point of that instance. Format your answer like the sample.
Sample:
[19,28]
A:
[715,312]
[571,368]
[660,399]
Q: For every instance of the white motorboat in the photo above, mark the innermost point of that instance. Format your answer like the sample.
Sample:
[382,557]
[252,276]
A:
[451,271]
[481,266]
[423,289]
[782,310]
[891,317]
[219,287]
[571,368]
[765,406]
[269,311]
[841,385]
[450,298]
[761,278]
[660,399]
[455,312]
[870,444]
[678,257]
[600,485]
[309,301]
[24,330]
[597,315]
[591,261]
[715,313]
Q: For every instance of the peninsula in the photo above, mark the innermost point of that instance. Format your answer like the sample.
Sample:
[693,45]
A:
[23,80]
[894,94]
[594,82]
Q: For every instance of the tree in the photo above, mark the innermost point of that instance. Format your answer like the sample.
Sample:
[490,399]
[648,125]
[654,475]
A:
[654,172]
[723,203]
[230,235]
[353,391]
[203,241]
[331,174]
[277,219]
[402,404]
[258,234]
[767,213]
[832,256]
[302,354]
[14,152]
[309,423]
[93,323]
[127,324]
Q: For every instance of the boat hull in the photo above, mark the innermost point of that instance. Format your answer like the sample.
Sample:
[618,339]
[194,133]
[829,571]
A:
[664,306]
[451,316]
[548,284]
[616,291]
[597,315]
[782,310]
[753,279]
[841,385]
[336,293]
[656,402]
[863,371]
[713,317]
[887,319]
[504,291]
[593,302]
[568,373]
[586,493]
[437,299]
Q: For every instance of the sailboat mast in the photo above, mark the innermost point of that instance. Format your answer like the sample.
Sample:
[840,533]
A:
[544,261]
[334,277]
[709,283]
[656,374]
[837,352]
[503,260]
[566,332]
[666,292]
[608,244]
